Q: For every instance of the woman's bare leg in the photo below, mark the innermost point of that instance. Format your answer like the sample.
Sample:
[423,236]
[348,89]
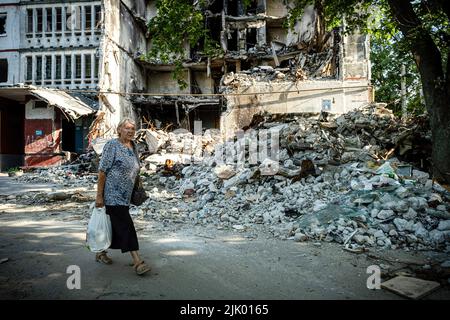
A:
[136,257]
[139,264]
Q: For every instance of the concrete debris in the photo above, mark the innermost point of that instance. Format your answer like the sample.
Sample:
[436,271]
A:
[156,146]
[318,66]
[331,183]
[224,172]
[58,196]
[76,175]
[336,181]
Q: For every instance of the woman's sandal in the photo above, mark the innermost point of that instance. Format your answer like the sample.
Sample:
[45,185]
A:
[141,268]
[102,257]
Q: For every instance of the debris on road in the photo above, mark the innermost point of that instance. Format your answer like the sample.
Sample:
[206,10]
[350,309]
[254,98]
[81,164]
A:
[355,179]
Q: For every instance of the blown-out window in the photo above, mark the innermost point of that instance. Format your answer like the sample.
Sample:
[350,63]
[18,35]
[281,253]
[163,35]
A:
[39,20]
[30,20]
[29,75]
[58,67]
[58,19]
[3,70]
[3,16]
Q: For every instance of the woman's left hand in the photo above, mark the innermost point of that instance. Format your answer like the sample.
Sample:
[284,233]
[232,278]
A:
[99,202]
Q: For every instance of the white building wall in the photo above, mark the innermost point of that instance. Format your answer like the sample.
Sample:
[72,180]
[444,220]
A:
[55,30]
[66,69]
[32,113]
[64,24]
[123,38]
[9,41]
[333,96]
[12,58]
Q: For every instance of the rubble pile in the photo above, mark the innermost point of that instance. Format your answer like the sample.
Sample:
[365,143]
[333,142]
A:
[247,78]
[45,198]
[339,179]
[369,133]
[299,66]
[82,171]
[336,181]
[155,146]
[86,162]
[315,65]
[66,175]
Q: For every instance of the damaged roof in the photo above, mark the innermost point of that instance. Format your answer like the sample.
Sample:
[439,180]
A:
[70,105]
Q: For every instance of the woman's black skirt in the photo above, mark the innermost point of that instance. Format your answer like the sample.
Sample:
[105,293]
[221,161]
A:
[123,232]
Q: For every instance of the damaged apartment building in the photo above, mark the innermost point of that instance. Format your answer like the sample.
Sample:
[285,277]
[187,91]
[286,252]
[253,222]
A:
[264,66]
[71,70]
[46,49]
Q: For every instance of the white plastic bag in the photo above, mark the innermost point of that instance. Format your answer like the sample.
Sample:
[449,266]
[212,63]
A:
[99,232]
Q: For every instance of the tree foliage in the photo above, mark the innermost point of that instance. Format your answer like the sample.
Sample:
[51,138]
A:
[179,23]
[387,58]
[377,18]
[421,29]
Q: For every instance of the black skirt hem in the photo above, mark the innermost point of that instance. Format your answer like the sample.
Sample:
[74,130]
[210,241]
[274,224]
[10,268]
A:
[124,235]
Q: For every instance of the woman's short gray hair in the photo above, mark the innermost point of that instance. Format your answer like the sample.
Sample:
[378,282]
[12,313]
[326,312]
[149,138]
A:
[122,123]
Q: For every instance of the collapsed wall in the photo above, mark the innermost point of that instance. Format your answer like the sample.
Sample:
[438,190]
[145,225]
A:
[264,67]
[309,71]
[251,97]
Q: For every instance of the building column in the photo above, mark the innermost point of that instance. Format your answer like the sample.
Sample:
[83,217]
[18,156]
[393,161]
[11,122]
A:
[261,34]
[34,22]
[53,22]
[43,70]
[92,70]
[33,69]
[53,72]
[92,21]
[63,24]
[73,18]
[63,70]
[83,71]
[83,20]
[44,22]
[73,65]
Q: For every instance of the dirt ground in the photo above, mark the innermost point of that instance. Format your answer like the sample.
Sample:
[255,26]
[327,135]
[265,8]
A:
[188,261]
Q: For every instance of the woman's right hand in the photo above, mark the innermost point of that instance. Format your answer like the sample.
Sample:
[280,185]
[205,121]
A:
[99,202]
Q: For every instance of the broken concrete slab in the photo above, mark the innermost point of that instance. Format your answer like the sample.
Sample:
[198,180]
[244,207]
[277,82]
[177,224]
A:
[224,172]
[409,287]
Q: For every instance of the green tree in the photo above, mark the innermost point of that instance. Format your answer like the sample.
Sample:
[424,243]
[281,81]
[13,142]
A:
[387,58]
[179,23]
[425,32]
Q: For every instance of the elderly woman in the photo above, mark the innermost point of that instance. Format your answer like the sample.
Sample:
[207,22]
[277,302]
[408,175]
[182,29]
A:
[118,169]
